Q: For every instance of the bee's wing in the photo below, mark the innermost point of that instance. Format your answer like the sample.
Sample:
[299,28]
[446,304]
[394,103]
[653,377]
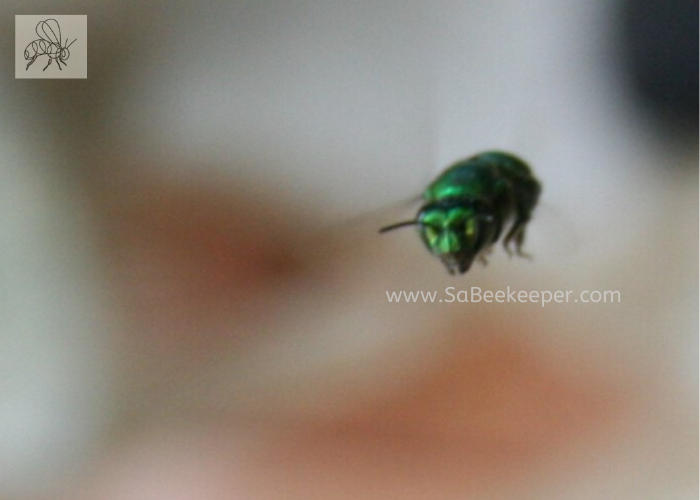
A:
[385,216]
[50,31]
[552,233]
[359,233]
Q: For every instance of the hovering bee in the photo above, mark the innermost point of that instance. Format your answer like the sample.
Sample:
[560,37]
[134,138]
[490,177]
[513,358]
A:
[466,208]
[49,43]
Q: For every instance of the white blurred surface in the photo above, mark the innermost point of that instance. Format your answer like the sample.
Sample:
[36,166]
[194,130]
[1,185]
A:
[348,107]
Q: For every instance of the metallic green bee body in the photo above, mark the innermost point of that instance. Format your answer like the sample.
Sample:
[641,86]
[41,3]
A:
[466,208]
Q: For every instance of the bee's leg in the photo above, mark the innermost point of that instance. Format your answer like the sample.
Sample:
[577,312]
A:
[31,62]
[507,248]
[527,197]
[59,64]
[497,227]
[516,235]
[482,256]
[514,229]
[489,228]
[505,204]
[519,240]
[49,64]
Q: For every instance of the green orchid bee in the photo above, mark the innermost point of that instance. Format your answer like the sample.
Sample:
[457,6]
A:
[467,207]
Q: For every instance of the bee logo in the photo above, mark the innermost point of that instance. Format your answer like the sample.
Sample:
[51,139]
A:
[49,44]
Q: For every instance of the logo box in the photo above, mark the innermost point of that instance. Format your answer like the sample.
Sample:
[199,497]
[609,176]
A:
[50,46]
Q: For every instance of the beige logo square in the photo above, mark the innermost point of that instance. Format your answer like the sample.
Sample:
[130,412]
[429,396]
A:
[50,46]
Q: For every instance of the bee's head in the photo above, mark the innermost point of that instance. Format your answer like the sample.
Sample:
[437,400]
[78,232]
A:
[454,231]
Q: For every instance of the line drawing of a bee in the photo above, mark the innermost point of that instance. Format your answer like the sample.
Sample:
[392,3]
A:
[49,43]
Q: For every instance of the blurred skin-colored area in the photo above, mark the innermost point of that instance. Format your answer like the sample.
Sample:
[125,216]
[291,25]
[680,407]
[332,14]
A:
[193,291]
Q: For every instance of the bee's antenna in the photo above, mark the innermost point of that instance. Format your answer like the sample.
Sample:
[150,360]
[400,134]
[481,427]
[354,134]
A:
[399,225]
[71,43]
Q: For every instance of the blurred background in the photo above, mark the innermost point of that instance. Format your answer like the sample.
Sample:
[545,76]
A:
[193,294]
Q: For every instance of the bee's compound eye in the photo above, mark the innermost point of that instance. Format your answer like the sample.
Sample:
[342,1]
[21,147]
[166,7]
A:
[430,233]
[471,228]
